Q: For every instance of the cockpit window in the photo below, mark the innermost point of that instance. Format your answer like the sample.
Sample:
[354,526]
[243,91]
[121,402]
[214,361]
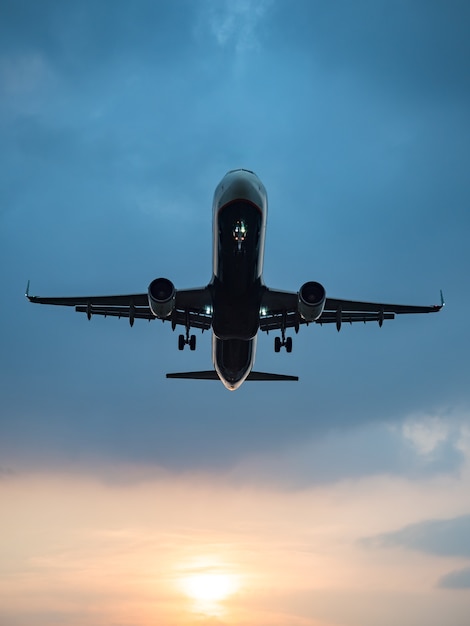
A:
[240,169]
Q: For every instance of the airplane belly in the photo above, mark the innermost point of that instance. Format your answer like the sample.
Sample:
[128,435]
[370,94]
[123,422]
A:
[239,245]
[235,318]
[233,360]
[239,240]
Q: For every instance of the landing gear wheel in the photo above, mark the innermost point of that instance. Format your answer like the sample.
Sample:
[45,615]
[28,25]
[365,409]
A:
[192,342]
[277,344]
[181,342]
[288,344]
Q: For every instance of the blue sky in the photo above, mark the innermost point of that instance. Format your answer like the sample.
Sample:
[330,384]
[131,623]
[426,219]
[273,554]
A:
[117,121]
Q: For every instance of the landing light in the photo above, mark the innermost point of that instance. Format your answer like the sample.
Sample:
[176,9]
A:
[239,231]
[263,311]
[208,310]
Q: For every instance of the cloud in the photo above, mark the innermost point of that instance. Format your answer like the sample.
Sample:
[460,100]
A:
[418,448]
[426,434]
[446,537]
[235,22]
[433,439]
[27,83]
[348,39]
[23,74]
[458,579]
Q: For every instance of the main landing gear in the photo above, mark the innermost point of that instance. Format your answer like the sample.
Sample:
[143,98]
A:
[187,340]
[283,341]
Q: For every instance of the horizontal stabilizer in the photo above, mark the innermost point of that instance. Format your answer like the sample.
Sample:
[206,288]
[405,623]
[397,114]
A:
[266,376]
[212,375]
[203,375]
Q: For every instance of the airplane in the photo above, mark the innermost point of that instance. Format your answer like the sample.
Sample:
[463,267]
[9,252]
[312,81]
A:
[236,304]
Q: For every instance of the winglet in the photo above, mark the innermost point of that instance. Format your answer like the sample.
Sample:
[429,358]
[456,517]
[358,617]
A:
[442,300]
[27,289]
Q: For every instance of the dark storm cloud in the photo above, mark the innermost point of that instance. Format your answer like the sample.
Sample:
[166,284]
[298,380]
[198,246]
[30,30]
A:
[446,537]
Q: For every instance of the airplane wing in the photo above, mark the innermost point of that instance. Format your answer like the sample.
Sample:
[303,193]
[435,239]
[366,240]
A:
[279,309]
[191,305]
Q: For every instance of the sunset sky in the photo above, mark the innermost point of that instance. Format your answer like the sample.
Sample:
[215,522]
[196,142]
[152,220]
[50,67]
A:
[131,500]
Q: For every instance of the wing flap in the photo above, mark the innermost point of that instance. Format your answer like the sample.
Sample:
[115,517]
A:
[196,320]
[274,322]
[143,313]
[329,317]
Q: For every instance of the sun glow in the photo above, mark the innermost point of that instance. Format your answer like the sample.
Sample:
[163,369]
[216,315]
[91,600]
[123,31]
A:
[209,587]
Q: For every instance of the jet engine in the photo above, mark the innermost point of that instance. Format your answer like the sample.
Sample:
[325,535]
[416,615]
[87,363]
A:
[312,297]
[162,295]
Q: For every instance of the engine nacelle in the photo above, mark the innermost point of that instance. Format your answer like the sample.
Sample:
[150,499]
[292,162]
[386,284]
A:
[162,295]
[312,297]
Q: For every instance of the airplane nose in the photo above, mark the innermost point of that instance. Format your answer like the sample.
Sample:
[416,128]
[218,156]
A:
[241,185]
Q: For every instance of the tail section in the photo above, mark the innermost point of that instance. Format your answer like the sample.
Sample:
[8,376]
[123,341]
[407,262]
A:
[212,375]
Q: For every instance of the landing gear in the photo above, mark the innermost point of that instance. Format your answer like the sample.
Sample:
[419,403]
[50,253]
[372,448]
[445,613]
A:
[283,341]
[188,340]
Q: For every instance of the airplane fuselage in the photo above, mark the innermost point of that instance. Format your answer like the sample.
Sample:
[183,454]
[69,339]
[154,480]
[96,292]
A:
[239,227]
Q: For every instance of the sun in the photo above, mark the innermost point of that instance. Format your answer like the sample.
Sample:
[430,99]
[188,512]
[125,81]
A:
[211,588]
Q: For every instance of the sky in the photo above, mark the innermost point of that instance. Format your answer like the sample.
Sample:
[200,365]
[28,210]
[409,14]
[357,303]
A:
[133,500]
